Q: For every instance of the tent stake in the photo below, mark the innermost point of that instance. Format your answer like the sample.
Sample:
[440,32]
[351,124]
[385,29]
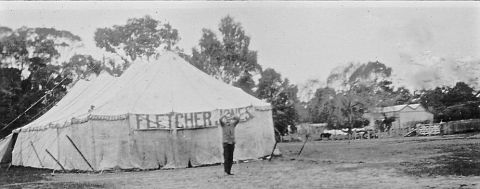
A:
[56,160]
[35,150]
[78,150]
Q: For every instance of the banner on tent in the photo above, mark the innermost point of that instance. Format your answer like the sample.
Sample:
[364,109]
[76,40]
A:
[193,120]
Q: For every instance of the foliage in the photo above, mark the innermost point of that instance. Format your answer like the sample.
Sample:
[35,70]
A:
[353,104]
[451,103]
[359,88]
[385,124]
[303,113]
[386,95]
[82,66]
[246,83]
[228,58]
[369,73]
[30,72]
[138,37]
[371,77]
[321,106]
[282,95]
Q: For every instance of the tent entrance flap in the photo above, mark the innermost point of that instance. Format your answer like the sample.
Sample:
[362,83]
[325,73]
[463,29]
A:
[6,148]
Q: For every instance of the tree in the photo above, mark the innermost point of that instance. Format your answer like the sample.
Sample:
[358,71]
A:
[246,83]
[359,87]
[282,95]
[385,124]
[321,107]
[303,112]
[353,103]
[269,85]
[402,96]
[353,90]
[451,103]
[387,95]
[228,58]
[138,37]
[30,72]
[81,66]
[342,109]
[369,74]
[26,46]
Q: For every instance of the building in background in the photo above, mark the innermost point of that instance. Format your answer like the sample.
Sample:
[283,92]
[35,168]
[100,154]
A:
[405,115]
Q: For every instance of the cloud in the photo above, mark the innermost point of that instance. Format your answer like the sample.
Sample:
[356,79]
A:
[419,32]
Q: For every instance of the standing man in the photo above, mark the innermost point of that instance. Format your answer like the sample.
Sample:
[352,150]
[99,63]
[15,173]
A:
[228,123]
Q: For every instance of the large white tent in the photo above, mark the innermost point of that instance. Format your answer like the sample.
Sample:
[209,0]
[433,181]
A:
[161,113]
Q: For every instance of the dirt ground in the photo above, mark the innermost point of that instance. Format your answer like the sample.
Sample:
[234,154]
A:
[415,162]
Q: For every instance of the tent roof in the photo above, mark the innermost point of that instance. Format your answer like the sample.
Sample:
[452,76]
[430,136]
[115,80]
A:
[170,84]
[163,84]
[76,103]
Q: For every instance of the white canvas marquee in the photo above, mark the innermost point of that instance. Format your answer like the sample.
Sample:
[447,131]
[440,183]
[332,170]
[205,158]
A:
[161,112]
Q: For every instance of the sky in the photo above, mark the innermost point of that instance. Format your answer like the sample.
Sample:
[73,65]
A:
[301,40]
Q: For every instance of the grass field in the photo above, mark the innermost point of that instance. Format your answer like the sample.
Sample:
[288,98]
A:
[415,162]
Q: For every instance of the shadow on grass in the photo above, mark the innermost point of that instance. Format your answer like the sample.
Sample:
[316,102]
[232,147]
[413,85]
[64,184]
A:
[22,174]
[27,177]
[69,185]
[457,159]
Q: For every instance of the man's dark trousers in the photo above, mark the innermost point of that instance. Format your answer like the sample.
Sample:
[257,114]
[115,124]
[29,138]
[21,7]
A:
[228,156]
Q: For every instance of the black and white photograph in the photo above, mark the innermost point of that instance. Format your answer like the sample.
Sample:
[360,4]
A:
[239,94]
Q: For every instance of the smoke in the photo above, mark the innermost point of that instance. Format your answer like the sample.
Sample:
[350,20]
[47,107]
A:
[307,90]
[427,70]
[424,65]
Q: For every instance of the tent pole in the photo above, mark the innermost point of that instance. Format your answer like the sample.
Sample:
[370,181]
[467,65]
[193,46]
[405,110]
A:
[35,150]
[306,139]
[273,150]
[78,150]
[56,160]
[276,142]
[9,165]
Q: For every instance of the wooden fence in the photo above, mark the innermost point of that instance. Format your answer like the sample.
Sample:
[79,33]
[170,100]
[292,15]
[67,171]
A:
[460,126]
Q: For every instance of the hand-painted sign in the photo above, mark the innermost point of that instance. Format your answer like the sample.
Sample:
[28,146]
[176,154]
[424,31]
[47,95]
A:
[191,120]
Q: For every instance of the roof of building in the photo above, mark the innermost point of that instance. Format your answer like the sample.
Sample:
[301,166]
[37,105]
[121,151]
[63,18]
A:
[396,108]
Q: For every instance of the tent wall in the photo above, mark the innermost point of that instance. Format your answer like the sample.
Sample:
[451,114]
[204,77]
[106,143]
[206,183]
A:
[117,144]
[255,138]
[38,141]
[157,148]
[6,147]
[102,142]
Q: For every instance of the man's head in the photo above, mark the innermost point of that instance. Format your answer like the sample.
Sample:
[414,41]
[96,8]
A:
[228,115]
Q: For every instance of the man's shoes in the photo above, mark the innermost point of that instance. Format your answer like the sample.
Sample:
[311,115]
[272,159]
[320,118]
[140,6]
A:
[228,173]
